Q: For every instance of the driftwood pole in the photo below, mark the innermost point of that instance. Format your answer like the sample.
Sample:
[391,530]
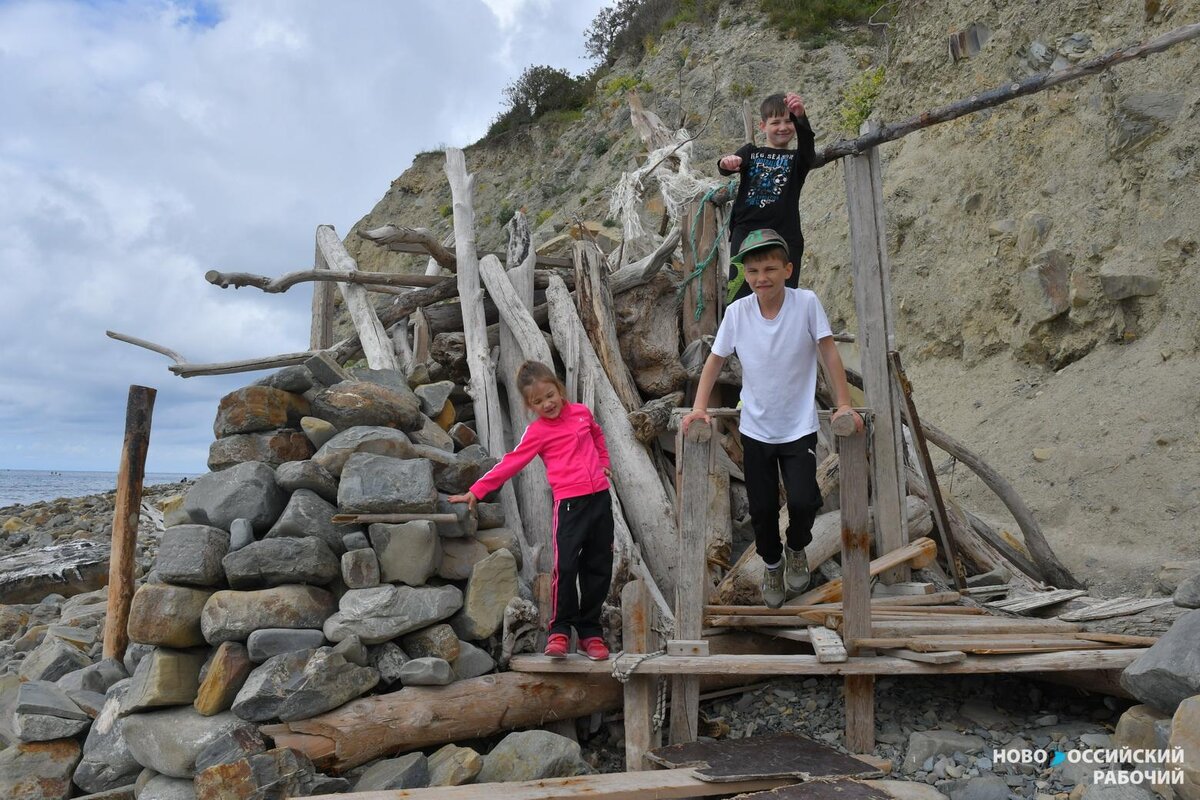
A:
[138,412]
[873,306]
[600,321]
[321,333]
[482,386]
[856,591]
[636,637]
[376,345]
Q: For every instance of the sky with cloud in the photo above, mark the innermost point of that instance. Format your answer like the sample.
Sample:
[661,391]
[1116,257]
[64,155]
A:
[144,143]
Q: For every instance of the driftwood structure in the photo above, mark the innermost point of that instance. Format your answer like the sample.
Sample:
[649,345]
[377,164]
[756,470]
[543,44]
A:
[629,349]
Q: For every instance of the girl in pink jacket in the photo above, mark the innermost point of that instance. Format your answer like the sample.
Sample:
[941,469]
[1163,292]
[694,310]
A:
[571,445]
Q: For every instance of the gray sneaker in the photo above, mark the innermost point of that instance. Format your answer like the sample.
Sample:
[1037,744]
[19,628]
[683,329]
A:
[796,575]
[772,587]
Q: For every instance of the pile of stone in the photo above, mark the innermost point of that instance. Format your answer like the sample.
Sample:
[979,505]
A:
[259,608]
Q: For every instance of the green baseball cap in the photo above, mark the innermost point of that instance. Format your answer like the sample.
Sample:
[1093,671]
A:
[757,240]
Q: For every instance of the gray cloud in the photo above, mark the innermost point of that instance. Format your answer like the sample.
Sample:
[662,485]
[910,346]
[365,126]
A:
[145,143]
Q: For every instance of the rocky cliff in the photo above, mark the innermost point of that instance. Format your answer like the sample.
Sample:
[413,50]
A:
[1043,253]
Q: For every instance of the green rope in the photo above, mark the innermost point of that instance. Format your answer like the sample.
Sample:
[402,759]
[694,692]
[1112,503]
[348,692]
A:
[702,264]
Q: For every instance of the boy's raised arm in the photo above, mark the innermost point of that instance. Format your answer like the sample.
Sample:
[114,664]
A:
[708,379]
[732,163]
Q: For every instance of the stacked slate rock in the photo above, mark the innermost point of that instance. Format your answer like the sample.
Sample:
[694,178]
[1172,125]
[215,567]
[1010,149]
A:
[260,608]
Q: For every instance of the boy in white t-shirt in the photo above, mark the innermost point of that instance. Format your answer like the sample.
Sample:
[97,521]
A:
[778,334]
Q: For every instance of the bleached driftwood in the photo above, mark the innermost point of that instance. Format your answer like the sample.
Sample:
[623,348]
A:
[376,345]
[418,240]
[647,508]
[596,313]
[644,269]
[653,418]
[284,282]
[482,386]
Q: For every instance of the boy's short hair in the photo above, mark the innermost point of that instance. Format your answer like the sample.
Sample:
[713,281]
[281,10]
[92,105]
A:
[773,106]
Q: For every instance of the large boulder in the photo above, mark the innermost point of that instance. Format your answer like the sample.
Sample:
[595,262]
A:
[167,616]
[107,762]
[164,678]
[169,741]
[191,555]
[492,584]
[44,712]
[278,773]
[303,684]
[51,660]
[270,642]
[275,562]
[258,408]
[380,485]
[295,475]
[372,439]
[273,448]
[533,755]
[307,514]
[352,403]
[408,552]
[38,770]
[385,612]
[1185,738]
[233,615]
[245,491]
[406,772]
[1169,672]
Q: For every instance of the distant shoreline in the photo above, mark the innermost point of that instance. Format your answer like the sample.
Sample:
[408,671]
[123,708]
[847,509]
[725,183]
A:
[24,488]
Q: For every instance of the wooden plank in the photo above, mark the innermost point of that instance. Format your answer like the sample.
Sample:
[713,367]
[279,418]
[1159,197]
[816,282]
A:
[920,553]
[127,505]
[1118,638]
[785,621]
[662,784]
[1120,607]
[687,647]
[854,665]
[884,603]
[693,491]
[939,657]
[826,644]
[1023,603]
[636,637]
[856,572]
[872,303]
[970,626]
[901,589]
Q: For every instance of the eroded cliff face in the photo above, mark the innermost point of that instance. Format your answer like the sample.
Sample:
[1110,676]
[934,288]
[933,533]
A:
[1043,253]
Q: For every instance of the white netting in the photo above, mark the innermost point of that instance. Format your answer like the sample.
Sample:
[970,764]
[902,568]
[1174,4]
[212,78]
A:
[678,185]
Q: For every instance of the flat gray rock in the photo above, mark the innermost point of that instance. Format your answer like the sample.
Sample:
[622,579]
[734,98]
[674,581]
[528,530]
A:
[43,697]
[372,439]
[246,491]
[472,662]
[280,561]
[385,612]
[51,660]
[406,772]
[98,677]
[307,515]
[378,484]
[408,552]
[357,402]
[44,728]
[1169,672]
[232,746]
[231,616]
[431,435]
[353,650]
[162,787]
[532,755]
[324,682]
[433,397]
[296,379]
[427,671]
[1188,593]
[191,555]
[270,642]
[168,742]
[241,533]
[38,770]
[296,475]
[107,762]
[492,584]
[360,569]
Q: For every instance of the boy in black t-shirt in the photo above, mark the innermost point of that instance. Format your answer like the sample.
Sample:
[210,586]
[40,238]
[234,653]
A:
[768,195]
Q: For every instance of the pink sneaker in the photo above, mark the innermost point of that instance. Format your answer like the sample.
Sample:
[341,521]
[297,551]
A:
[557,644]
[594,648]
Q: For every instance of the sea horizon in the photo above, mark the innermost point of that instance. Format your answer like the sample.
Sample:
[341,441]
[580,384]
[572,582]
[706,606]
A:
[22,487]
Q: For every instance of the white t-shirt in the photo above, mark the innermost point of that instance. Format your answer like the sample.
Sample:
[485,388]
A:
[779,364]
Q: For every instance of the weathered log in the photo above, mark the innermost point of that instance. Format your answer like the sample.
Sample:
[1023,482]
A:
[596,312]
[419,240]
[1002,94]
[482,387]
[417,716]
[286,281]
[321,329]
[647,508]
[643,270]
[514,312]
[651,420]
[648,332]
[376,345]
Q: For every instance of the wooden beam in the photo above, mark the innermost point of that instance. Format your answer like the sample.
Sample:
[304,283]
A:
[376,345]
[873,306]
[636,637]
[856,572]
[826,644]
[139,411]
[696,457]
[320,334]
[398,240]
[920,553]
[854,665]
[661,784]
[941,657]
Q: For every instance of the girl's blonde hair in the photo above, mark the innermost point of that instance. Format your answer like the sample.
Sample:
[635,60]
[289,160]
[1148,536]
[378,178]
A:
[534,372]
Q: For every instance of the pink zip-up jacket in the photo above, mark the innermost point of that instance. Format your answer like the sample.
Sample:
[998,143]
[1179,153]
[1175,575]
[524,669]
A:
[572,448]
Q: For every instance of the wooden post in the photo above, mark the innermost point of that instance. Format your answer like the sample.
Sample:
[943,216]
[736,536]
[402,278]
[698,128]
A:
[748,120]
[640,737]
[139,409]
[856,588]
[873,305]
[321,334]
[709,282]
[696,453]
[376,345]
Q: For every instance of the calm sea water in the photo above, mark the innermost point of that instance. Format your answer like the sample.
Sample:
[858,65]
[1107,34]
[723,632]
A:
[22,487]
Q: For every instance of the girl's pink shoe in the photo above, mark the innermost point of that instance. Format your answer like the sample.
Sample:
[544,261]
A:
[557,644]
[594,648]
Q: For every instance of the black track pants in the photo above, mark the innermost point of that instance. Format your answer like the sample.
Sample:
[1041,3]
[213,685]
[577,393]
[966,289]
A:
[763,464]
[583,559]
